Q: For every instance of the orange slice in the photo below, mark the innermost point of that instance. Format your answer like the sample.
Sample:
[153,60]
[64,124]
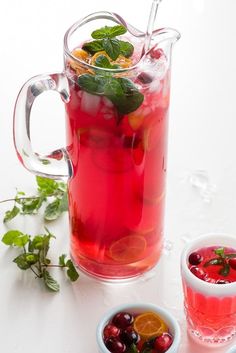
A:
[149,325]
[128,249]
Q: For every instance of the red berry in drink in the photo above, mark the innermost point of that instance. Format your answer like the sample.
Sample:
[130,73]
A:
[162,343]
[156,53]
[129,336]
[123,320]
[145,78]
[114,345]
[195,258]
[232,263]
[198,272]
[111,331]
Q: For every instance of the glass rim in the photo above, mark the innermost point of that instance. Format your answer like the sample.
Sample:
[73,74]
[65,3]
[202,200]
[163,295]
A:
[204,287]
[172,33]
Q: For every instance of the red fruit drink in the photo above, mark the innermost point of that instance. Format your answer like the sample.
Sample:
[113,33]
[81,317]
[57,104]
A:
[116,194]
[209,284]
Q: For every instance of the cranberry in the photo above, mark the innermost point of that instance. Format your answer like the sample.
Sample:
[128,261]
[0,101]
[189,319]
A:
[198,272]
[114,345]
[144,78]
[156,53]
[195,258]
[129,336]
[232,263]
[162,343]
[111,331]
[123,320]
[131,141]
[222,281]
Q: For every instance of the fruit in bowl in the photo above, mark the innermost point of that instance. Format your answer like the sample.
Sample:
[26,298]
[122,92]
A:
[139,328]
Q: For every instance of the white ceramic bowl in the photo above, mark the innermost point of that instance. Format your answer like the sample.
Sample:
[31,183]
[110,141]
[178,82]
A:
[140,308]
[231,350]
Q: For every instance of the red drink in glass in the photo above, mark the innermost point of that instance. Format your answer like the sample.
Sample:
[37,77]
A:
[210,296]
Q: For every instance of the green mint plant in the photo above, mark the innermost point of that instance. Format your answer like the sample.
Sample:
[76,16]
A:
[50,191]
[119,90]
[34,256]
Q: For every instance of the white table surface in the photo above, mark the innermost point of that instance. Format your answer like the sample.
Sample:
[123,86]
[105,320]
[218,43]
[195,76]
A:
[201,194]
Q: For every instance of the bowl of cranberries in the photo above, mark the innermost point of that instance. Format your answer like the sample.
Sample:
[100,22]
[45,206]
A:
[138,328]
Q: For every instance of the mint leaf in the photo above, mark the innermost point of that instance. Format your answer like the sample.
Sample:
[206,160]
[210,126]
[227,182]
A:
[9,237]
[111,47]
[71,272]
[230,256]
[22,261]
[30,206]
[21,240]
[64,203]
[220,252]
[50,282]
[215,261]
[92,84]
[36,243]
[9,215]
[108,32]
[117,31]
[52,210]
[102,61]
[225,270]
[46,186]
[93,47]
[126,48]
[62,260]
[124,95]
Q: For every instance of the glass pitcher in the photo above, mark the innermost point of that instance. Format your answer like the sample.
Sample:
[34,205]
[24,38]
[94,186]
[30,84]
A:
[116,100]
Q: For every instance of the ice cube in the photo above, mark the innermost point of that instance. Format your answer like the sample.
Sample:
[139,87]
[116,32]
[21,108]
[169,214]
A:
[90,103]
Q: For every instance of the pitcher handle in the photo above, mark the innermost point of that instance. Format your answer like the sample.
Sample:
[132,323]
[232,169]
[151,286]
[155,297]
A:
[55,165]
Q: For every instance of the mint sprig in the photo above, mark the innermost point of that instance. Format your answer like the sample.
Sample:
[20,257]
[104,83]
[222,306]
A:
[120,91]
[34,256]
[49,191]
[105,39]
[221,260]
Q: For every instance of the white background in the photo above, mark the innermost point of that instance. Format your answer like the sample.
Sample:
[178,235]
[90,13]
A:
[201,194]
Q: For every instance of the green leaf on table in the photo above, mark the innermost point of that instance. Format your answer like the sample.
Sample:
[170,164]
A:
[50,282]
[25,261]
[30,206]
[52,210]
[93,47]
[64,202]
[71,272]
[9,237]
[108,32]
[9,215]
[126,48]
[111,47]
[36,243]
[62,260]
[15,238]
[46,186]
[55,208]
